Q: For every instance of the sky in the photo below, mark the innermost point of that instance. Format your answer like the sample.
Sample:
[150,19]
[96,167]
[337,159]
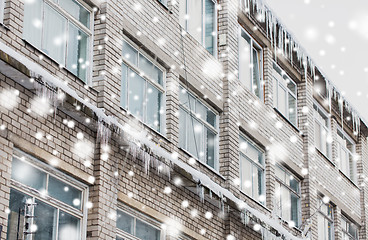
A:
[334,34]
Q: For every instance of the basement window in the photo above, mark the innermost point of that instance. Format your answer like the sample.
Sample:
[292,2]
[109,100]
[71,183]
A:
[143,87]
[60,202]
[62,30]
[284,94]
[132,225]
[250,64]
[198,18]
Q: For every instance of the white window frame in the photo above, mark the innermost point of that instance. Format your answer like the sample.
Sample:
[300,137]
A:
[254,164]
[287,90]
[70,19]
[326,217]
[346,233]
[202,42]
[258,48]
[161,88]
[59,205]
[351,155]
[190,114]
[321,111]
[298,194]
[141,217]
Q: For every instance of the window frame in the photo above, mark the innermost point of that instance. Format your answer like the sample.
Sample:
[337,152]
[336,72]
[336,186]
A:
[350,153]
[69,20]
[141,217]
[349,222]
[326,217]
[161,88]
[257,165]
[259,49]
[49,200]
[282,184]
[202,42]
[216,130]
[287,90]
[327,128]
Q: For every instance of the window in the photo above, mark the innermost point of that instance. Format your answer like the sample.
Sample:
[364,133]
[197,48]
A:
[62,30]
[132,225]
[59,208]
[321,130]
[325,221]
[345,155]
[285,94]
[198,17]
[142,88]
[349,229]
[198,129]
[287,195]
[250,64]
[252,170]
[164,2]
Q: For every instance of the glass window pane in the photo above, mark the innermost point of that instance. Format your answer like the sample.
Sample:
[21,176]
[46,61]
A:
[209,26]
[136,87]
[25,173]
[291,85]
[146,232]
[294,209]
[154,100]
[321,227]
[211,118]
[201,110]
[54,35]
[76,10]
[182,128]
[281,101]
[211,146]
[294,184]
[32,28]
[77,60]
[256,86]
[292,109]
[195,140]
[195,19]
[246,175]
[45,220]
[244,60]
[286,203]
[183,97]
[69,227]
[275,92]
[124,222]
[129,53]
[280,174]
[16,205]
[257,183]
[317,135]
[65,193]
[124,82]
[150,70]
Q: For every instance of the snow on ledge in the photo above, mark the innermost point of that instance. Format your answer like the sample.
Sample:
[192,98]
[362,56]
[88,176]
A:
[142,138]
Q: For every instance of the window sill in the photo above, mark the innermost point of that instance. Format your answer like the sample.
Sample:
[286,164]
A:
[145,125]
[287,120]
[325,157]
[54,61]
[351,181]
[203,164]
[255,201]
[2,25]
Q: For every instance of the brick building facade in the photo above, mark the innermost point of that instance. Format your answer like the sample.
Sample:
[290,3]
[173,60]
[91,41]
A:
[175,119]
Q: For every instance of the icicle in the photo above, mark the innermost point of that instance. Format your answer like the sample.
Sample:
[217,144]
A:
[147,161]
[200,191]
[341,108]
[103,133]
